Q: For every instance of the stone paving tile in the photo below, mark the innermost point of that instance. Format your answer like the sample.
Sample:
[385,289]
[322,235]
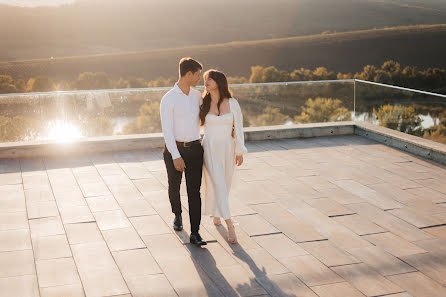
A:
[439,232]
[389,222]
[136,262]
[57,272]
[94,189]
[123,239]
[76,214]
[46,227]
[280,246]
[287,223]
[15,240]
[256,225]
[97,269]
[394,244]
[83,233]
[434,195]
[66,291]
[359,224]
[137,208]
[37,194]
[102,203]
[17,263]
[417,218]
[337,290]
[434,184]
[259,262]
[381,261]
[328,253]
[235,281]
[42,209]
[311,271]
[150,225]
[13,221]
[329,207]
[51,247]
[366,193]
[23,286]
[13,178]
[418,284]
[367,280]
[338,234]
[285,285]
[429,264]
[324,203]
[112,219]
[155,285]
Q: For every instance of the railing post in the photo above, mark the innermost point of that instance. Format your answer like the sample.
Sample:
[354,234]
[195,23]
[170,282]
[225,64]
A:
[354,97]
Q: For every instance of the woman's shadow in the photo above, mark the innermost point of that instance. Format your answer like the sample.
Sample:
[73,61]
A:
[225,277]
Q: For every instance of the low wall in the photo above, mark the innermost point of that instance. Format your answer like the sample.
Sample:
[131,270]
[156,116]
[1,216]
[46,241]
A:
[417,146]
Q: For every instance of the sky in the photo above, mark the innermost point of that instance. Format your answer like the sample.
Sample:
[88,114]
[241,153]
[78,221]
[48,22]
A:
[35,3]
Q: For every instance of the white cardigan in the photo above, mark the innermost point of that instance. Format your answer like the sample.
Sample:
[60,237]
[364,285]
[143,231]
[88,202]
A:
[240,148]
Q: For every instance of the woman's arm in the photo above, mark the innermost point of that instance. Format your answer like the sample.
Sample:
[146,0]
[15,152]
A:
[240,148]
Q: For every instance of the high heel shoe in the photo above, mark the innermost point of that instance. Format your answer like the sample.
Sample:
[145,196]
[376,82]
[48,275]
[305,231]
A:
[232,237]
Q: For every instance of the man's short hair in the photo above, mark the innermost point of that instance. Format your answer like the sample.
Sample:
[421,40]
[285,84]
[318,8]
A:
[189,64]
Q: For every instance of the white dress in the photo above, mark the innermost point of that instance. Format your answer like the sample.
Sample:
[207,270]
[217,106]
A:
[220,149]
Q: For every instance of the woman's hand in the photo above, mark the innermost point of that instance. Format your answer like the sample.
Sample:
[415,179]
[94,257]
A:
[239,160]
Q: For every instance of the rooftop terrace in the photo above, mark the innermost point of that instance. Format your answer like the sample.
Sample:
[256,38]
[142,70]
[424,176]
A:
[334,216]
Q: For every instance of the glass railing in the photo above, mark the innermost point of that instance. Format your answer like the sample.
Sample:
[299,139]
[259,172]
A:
[411,111]
[71,115]
[77,114]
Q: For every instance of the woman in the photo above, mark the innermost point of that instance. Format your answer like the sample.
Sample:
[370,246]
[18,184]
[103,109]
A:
[223,145]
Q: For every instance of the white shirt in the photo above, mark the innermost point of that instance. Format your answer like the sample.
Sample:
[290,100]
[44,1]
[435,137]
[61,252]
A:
[180,118]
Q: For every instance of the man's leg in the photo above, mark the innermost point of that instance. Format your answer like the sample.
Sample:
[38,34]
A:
[194,170]
[174,180]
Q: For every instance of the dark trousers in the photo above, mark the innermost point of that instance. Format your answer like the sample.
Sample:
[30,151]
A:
[193,158]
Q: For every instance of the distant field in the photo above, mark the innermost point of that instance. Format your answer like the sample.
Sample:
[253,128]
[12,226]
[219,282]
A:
[89,27]
[423,46]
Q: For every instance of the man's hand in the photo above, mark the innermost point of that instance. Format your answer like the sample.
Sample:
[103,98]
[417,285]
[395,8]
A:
[239,160]
[179,164]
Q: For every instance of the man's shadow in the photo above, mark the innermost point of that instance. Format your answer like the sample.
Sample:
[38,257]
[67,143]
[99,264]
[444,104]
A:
[258,285]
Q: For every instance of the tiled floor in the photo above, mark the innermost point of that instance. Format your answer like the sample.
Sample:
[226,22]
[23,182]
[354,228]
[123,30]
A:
[328,217]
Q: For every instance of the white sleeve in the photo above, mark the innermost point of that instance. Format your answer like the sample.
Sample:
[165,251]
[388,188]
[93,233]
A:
[166,113]
[240,148]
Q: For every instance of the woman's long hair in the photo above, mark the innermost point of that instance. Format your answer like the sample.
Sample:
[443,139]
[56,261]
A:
[223,89]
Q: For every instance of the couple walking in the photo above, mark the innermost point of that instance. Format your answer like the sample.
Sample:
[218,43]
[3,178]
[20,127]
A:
[183,109]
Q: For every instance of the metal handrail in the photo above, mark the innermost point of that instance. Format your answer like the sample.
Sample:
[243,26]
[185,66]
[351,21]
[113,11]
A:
[400,88]
[125,90]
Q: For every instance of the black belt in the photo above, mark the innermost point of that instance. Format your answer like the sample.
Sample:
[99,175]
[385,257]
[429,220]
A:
[187,144]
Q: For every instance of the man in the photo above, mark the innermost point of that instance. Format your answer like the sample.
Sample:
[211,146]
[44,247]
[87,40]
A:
[183,151]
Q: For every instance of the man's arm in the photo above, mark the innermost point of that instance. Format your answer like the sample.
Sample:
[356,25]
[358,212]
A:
[167,117]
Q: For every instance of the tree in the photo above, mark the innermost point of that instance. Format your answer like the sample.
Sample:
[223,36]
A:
[323,110]
[99,125]
[92,81]
[271,116]
[7,84]
[40,84]
[401,118]
[368,73]
[122,84]
[162,82]
[148,120]
[17,128]
[237,80]
[256,74]
[137,82]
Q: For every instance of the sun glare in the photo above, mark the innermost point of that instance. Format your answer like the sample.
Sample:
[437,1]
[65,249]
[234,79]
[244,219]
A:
[63,132]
